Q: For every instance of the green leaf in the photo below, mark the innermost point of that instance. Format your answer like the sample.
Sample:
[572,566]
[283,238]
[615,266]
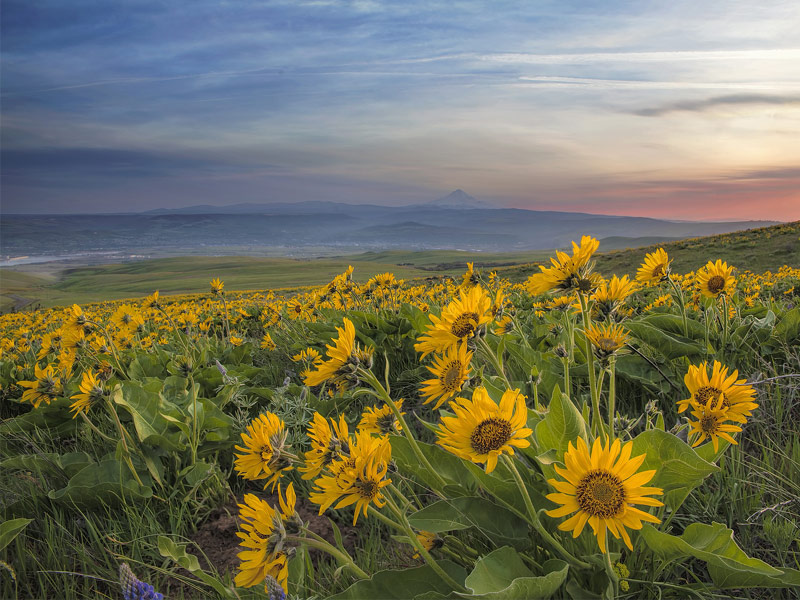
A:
[11,529]
[177,552]
[668,345]
[502,574]
[106,481]
[497,523]
[678,467]
[562,424]
[449,466]
[401,584]
[728,565]
[146,408]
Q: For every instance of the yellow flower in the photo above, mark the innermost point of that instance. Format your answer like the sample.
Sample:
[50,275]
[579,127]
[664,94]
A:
[216,286]
[91,391]
[503,325]
[45,388]
[235,340]
[711,423]
[737,397]
[380,421]
[327,445]
[611,295]
[654,268]
[430,541]
[152,301]
[75,322]
[606,339]
[481,430]
[715,279]
[568,272]
[309,354]
[470,278]
[338,367]
[127,318]
[450,371]
[358,480]
[265,453]
[602,488]
[459,321]
[267,343]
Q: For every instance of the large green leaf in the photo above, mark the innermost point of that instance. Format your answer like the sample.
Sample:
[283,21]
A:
[146,408]
[673,324]
[728,565]
[497,523]
[402,584]
[562,424]
[449,466]
[678,467]
[106,481]
[11,529]
[503,574]
[669,345]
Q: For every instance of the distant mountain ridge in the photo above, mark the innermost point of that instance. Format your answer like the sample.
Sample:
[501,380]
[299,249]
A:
[455,221]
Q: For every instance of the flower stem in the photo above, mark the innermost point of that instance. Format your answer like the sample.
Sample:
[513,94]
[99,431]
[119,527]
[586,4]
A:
[596,419]
[612,391]
[682,303]
[612,576]
[487,350]
[534,517]
[321,544]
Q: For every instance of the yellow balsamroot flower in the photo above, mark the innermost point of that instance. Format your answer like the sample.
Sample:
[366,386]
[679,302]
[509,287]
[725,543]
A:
[309,355]
[127,318]
[265,453]
[481,430]
[235,340]
[459,321]
[568,272]
[267,343]
[737,397]
[152,301]
[611,295]
[430,541]
[45,388]
[263,539]
[606,339]
[216,286]
[75,320]
[327,445]
[503,325]
[339,365]
[450,371]
[715,279]
[655,267]
[711,423]
[91,391]
[380,421]
[358,480]
[469,278]
[602,487]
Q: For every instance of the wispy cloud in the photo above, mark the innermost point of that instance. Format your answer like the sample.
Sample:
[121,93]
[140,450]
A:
[717,101]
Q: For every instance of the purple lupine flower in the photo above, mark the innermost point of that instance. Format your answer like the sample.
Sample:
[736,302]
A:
[274,589]
[133,588]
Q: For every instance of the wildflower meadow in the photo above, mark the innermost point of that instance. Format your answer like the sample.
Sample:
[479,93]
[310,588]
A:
[573,435]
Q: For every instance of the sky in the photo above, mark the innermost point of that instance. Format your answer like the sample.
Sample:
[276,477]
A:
[673,109]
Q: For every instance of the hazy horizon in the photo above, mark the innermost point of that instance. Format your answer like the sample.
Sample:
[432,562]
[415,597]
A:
[670,110]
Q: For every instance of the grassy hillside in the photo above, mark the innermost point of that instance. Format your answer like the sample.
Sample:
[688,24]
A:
[756,250]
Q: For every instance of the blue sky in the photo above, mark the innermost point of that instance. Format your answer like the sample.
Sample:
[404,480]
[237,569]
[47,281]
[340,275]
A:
[686,110]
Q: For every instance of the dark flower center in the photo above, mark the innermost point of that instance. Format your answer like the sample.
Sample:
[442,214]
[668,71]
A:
[490,434]
[601,494]
[716,284]
[451,376]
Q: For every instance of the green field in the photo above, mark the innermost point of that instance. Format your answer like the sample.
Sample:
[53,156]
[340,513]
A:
[762,249]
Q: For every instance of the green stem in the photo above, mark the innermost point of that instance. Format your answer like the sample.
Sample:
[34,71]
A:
[682,303]
[587,345]
[487,350]
[369,377]
[612,576]
[321,544]
[225,316]
[567,386]
[124,443]
[533,517]
[423,552]
[612,391]
[94,428]
[382,517]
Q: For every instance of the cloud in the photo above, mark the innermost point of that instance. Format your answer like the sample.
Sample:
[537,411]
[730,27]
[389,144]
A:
[709,103]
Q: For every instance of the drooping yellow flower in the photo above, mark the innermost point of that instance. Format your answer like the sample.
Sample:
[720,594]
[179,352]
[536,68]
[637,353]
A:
[716,279]
[482,430]
[266,455]
[459,321]
[568,272]
[654,268]
[327,445]
[469,278]
[602,488]
[339,367]
[711,423]
[611,295]
[216,286]
[380,421]
[45,388]
[606,339]
[737,397]
[450,371]
[91,391]
[358,480]
[267,343]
